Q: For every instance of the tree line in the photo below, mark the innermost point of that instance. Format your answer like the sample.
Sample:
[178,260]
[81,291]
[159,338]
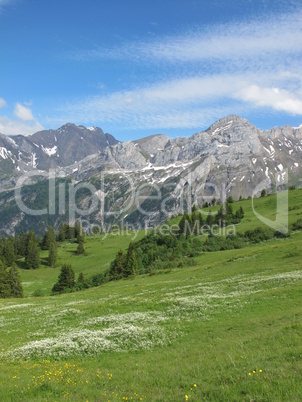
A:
[196,223]
[177,248]
[27,246]
[157,252]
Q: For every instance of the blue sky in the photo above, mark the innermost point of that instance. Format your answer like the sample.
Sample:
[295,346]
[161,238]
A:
[136,67]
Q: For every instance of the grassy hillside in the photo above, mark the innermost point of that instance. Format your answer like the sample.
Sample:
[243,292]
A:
[101,250]
[229,328]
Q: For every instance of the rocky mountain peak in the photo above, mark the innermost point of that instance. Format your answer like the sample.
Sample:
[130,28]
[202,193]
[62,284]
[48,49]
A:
[231,154]
[51,148]
[153,142]
[226,123]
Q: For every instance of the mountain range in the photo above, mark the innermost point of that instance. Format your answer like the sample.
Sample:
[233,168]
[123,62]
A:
[231,157]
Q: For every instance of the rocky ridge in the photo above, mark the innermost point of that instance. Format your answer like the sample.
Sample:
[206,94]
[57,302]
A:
[231,157]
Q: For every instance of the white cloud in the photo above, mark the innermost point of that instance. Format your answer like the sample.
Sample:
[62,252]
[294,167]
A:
[24,113]
[278,99]
[13,127]
[188,102]
[234,43]
[2,102]
[26,124]
[171,104]
[229,68]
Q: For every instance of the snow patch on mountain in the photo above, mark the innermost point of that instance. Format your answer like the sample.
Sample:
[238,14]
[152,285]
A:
[34,160]
[12,141]
[50,151]
[4,153]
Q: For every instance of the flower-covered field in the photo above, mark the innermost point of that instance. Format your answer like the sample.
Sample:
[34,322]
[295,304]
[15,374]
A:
[229,328]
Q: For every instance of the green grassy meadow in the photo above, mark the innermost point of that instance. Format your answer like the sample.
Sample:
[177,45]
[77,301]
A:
[227,329]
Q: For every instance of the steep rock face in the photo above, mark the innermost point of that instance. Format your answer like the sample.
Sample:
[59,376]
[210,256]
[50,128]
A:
[70,144]
[50,149]
[231,157]
[152,143]
[126,155]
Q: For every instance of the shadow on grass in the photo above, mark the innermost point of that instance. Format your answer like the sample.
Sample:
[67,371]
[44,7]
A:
[21,264]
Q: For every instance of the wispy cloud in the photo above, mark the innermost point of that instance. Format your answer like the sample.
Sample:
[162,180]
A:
[226,42]
[187,102]
[2,102]
[223,69]
[4,3]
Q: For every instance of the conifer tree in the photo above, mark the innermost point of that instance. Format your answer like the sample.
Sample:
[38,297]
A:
[32,258]
[131,266]
[182,225]
[81,281]
[230,200]
[239,214]
[117,266]
[31,237]
[80,248]
[66,279]
[209,220]
[61,232]
[52,255]
[49,237]
[194,208]
[81,278]
[220,218]
[16,288]
[2,248]
[22,244]
[185,225]
[201,222]
[16,245]
[9,252]
[4,282]
[77,231]
[195,223]
[70,232]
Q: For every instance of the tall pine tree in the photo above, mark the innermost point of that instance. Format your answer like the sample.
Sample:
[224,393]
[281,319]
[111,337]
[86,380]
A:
[66,279]
[4,282]
[131,266]
[52,255]
[32,258]
[62,232]
[16,288]
[80,248]
[3,248]
[117,266]
[49,237]
[9,252]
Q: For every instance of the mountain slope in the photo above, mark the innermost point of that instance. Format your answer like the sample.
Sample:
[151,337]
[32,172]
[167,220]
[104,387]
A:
[145,181]
[49,149]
